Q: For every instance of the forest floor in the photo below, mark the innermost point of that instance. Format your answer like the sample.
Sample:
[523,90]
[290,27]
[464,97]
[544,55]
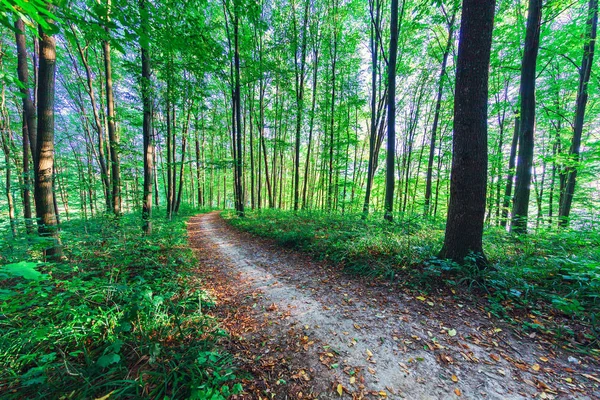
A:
[305,329]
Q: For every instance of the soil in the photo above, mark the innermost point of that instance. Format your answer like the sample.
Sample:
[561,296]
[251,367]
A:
[302,329]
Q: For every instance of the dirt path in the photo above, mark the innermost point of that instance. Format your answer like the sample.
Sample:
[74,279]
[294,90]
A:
[305,330]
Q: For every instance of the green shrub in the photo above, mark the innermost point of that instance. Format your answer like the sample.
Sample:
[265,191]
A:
[123,316]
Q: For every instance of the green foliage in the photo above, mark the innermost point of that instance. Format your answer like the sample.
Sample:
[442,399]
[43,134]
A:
[368,247]
[123,316]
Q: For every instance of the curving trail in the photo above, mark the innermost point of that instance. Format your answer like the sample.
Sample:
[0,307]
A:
[305,330]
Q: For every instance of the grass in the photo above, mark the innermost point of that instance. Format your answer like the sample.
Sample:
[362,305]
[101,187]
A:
[550,274]
[123,317]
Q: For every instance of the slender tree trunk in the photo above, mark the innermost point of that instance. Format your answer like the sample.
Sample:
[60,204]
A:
[391,122]
[580,104]
[312,115]
[376,17]
[333,54]
[466,211]
[29,120]
[5,142]
[300,76]
[526,132]
[436,116]
[112,129]
[511,173]
[147,122]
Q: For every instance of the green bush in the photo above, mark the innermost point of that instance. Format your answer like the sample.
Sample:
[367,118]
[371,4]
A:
[124,316]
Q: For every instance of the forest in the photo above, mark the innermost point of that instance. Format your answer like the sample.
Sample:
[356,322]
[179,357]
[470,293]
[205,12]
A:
[433,161]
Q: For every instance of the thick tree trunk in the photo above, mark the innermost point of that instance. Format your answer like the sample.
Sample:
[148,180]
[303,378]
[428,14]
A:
[44,195]
[466,211]
[581,102]
[526,132]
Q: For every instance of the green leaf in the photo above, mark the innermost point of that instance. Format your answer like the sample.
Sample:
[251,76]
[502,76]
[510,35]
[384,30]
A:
[108,359]
[23,269]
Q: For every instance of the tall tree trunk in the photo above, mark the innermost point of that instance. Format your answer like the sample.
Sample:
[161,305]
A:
[315,56]
[6,144]
[374,39]
[112,128]
[333,54]
[391,122]
[29,120]
[147,122]
[511,173]
[44,195]
[526,132]
[581,102]
[104,173]
[436,116]
[466,211]
[182,167]
[300,76]
[238,116]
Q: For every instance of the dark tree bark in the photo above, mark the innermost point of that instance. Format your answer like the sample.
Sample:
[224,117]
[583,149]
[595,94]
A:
[391,115]
[44,194]
[147,123]
[526,132]
[377,105]
[466,211]
[238,116]
[582,96]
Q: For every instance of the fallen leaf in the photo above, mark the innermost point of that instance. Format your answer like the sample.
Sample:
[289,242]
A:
[457,392]
[454,378]
[592,377]
[535,367]
[495,357]
[340,389]
[106,396]
[383,394]
[452,332]
[544,359]
[352,380]
[369,353]
[421,298]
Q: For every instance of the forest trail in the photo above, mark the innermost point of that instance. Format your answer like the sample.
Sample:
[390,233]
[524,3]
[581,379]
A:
[306,330]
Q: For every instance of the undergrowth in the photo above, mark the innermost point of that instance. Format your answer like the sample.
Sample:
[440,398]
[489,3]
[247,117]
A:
[551,276]
[122,317]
